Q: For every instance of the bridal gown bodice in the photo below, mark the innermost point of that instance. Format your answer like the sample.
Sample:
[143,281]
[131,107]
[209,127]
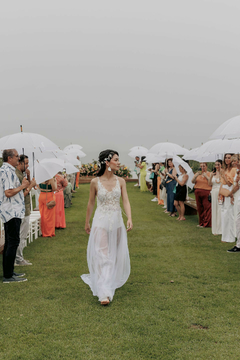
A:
[108,214]
[108,201]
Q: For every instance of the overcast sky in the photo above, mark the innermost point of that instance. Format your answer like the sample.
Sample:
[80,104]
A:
[115,74]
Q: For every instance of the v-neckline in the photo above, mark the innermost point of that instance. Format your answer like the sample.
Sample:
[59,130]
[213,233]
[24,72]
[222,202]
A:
[109,191]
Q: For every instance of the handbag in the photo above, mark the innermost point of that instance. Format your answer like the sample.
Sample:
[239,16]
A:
[50,204]
[163,184]
[151,176]
[224,192]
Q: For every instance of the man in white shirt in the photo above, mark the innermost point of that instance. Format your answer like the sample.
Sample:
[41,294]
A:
[12,211]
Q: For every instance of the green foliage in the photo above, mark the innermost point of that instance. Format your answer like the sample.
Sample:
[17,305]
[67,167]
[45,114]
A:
[195,165]
[180,301]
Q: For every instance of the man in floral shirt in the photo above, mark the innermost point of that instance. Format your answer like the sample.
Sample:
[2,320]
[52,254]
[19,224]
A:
[12,211]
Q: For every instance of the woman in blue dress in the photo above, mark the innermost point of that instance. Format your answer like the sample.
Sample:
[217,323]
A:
[170,186]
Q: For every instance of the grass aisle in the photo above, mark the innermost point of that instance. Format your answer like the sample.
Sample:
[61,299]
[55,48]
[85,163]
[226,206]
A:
[180,302]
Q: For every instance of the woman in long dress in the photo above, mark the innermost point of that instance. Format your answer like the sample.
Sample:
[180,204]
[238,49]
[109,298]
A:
[214,181]
[202,191]
[107,252]
[47,214]
[170,185]
[143,173]
[227,179]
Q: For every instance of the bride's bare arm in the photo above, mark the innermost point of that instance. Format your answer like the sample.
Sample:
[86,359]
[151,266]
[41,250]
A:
[91,203]
[126,204]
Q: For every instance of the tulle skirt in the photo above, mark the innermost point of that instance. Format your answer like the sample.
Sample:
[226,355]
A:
[107,255]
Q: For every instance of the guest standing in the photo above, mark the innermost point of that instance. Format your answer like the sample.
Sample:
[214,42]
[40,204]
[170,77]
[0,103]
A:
[228,173]
[181,192]
[163,191]
[202,191]
[215,181]
[136,169]
[236,194]
[236,189]
[21,169]
[47,207]
[155,170]
[62,183]
[170,186]
[12,211]
[143,173]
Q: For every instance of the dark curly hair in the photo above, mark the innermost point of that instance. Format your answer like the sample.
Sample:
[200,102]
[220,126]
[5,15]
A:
[104,156]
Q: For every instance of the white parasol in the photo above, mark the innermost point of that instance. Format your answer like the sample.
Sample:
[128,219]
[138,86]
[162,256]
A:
[230,129]
[70,168]
[167,149]
[138,151]
[29,142]
[47,168]
[154,158]
[72,147]
[178,161]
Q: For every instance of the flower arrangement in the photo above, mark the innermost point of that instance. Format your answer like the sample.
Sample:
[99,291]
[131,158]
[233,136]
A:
[91,169]
[124,172]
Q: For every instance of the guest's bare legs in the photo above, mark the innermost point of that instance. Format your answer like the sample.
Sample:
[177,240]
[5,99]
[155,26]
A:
[182,206]
[176,204]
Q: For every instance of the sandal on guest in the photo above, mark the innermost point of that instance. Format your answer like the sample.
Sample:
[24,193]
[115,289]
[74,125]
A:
[105,301]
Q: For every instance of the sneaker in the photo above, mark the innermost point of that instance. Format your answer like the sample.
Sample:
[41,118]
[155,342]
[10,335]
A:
[13,279]
[22,263]
[19,275]
[136,185]
[234,249]
[155,199]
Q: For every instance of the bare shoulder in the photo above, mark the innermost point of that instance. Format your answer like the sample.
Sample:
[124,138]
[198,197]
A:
[94,182]
[121,181]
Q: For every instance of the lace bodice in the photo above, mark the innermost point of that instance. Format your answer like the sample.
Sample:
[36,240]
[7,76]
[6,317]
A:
[108,201]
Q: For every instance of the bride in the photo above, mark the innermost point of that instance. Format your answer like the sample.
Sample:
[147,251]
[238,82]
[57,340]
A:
[107,252]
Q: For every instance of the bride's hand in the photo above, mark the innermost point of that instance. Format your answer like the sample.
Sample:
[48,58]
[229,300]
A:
[87,228]
[129,225]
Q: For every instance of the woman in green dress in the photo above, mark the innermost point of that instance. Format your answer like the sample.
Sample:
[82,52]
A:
[143,173]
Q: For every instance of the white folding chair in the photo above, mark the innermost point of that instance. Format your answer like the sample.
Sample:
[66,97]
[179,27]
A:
[35,222]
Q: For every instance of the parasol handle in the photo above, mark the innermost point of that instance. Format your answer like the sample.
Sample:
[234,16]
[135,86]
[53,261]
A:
[33,166]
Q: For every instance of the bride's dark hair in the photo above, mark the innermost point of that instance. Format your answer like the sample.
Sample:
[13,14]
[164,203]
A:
[104,156]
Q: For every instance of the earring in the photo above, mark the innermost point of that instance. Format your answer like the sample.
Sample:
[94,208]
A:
[109,169]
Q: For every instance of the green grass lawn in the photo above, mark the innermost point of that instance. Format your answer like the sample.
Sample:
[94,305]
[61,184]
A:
[181,300]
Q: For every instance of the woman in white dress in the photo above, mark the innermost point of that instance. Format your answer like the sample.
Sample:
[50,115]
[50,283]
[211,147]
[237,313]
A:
[107,252]
[215,181]
[227,176]
[236,194]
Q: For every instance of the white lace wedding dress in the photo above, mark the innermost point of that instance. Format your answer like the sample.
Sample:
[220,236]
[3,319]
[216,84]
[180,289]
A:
[107,252]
